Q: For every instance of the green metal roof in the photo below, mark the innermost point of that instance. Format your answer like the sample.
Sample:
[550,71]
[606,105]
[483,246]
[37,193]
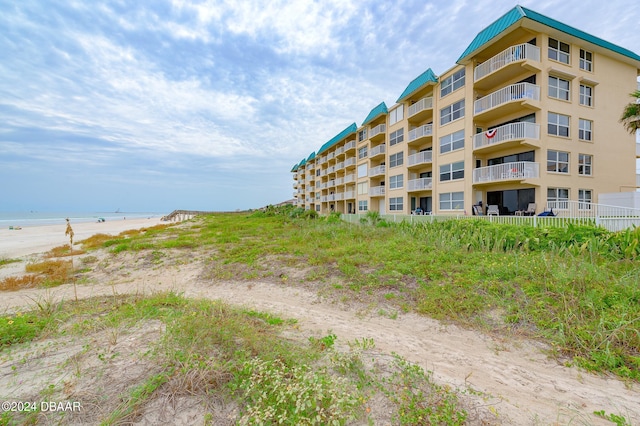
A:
[337,138]
[518,13]
[379,110]
[311,157]
[295,168]
[419,82]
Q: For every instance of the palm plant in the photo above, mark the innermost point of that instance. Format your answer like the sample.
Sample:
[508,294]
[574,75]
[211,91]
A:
[630,118]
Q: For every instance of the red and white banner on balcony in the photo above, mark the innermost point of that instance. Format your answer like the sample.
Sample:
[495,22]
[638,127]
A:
[490,133]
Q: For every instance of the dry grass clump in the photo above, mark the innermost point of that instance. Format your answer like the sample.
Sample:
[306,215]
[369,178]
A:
[135,232]
[18,283]
[96,241]
[55,272]
[62,251]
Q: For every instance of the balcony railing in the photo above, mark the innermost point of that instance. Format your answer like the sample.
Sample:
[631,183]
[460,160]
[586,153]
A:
[420,184]
[349,162]
[504,58]
[331,156]
[637,149]
[324,185]
[507,94]
[423,157]
[375,191]
[418,132]
[376,150]
[349,145]
[508,132]
[349,194]
[380,128]
[339,181]
[375,171]
[350,178]
[421,105]
[506,171]
[340,150]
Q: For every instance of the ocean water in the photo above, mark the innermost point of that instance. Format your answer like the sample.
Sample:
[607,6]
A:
[56,218]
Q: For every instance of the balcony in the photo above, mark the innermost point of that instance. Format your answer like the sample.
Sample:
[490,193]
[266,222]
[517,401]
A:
[377,150]
[295,194]
[377,132]
[324,198]
[349,146]
[339,181]
[376,171]
[322,159]
[350,178]
[376,191]
[637,150]
[508,136]
[340,151]
[340,165]
[419,134]
[421,110]
[417,159]
[421,184]
[350,162]
[506,101]
[324,185]
[507,65]
[518,171]
[348,195]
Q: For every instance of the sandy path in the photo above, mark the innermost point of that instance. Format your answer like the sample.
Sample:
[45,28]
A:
[518,383]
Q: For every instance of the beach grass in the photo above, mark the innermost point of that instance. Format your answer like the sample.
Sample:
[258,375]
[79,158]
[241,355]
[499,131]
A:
[576,288]
[234,356]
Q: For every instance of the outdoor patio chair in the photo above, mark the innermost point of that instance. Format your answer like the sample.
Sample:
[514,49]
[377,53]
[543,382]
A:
[530,211]
[493,209]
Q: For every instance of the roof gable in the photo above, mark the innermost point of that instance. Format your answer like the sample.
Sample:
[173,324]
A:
[518,13]
[419,82]
[337,138]
[379,110]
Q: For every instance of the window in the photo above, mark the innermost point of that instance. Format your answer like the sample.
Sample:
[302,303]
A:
[317,172]
[396,204]
[362,170]
[558,124]
[558,51]
[585,162]
[452,171]
[362,153]
[559,88]
[585,129]
[451,83]
[452,142]
[396,159]
[396,137]
[584,199]
[362,206]
[452,112]
[396,115]
[586,60]
[586,95]
[558,198]
[317,208]
[362,135]
[395,182]
[452,201]
[363,188]
[557,161]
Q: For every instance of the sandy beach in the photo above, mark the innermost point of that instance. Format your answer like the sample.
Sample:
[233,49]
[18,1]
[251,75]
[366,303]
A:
[15,243]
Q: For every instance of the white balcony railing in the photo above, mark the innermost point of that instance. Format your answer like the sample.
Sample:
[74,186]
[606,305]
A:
[349,145]
[419,184]
[376,191]
[423,157]
[418,132]
[350,162]
[340,150]
[375,171]
[506,171]
[377,150]
[380,128]
[324,198]
[350,178]
[324,185]
[339,196]
[421,105]
[340,165]
[512,54]
[507,94]
[508,132]
[331,156]
[339,181]
[349,194]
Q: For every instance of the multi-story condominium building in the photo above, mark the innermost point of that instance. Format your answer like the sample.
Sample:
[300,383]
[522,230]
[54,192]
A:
[528,114]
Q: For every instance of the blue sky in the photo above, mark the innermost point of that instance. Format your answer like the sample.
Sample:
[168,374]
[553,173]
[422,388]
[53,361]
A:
[166,104]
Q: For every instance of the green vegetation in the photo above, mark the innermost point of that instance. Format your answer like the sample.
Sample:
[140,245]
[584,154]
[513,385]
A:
[220,353]
[576,287]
